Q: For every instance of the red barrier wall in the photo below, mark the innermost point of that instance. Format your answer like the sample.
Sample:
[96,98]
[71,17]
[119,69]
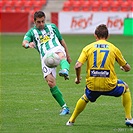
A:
[14,22]
[54,18]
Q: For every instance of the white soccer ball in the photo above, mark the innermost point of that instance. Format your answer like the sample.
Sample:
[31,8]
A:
[51,60]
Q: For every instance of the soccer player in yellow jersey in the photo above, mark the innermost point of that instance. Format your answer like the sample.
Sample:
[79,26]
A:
[101,78]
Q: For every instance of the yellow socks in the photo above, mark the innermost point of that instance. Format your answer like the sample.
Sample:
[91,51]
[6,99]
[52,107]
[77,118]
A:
[81,104]
[127,103]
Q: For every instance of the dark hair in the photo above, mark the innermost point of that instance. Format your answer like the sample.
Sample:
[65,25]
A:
[102,31]
[38,14]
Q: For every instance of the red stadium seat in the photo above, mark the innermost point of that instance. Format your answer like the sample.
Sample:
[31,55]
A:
[19,6]
[96,6]
[9,8]
[76,6]
[105,6]
[38,3]
[86,6]
[44,2]
[2,6]
[16,5]
[72,1]
[67,6]
[115,6]
[36,8]
[125,6]
[27,8]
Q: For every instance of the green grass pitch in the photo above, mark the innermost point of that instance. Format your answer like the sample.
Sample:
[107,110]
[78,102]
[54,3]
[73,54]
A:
[26,105]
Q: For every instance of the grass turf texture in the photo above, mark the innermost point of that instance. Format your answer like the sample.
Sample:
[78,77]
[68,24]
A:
[26,105]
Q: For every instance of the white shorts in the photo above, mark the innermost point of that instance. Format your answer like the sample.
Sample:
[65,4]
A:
[46,70]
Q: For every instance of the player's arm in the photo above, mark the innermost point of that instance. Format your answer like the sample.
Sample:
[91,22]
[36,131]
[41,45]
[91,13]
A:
[66,50]
[27,44]
[28,40]
[78,66]
[122,62]
[126,67]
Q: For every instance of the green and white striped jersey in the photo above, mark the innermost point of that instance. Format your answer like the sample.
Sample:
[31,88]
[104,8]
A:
[45,39]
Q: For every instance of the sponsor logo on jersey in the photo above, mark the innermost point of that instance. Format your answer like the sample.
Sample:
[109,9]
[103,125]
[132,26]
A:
[99,73]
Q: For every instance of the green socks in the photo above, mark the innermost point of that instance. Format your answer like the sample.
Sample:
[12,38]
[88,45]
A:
[64,64]
[56,93]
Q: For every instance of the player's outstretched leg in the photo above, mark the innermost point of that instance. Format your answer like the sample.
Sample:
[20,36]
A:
[64,72]
[81,104]
[56,93]
[127,103]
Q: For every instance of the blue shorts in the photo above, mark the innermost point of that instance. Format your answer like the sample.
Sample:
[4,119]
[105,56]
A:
[117,91]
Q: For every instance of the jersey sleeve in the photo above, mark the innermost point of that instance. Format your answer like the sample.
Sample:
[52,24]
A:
[56,31]
[28,36]
[119,58]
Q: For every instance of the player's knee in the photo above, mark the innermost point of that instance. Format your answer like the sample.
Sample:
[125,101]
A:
[85,98]
[51,84]
[126,85]
[61,55]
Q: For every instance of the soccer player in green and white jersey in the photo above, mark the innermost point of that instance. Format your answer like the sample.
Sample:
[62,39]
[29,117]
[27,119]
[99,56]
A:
[47,38]
[101,78]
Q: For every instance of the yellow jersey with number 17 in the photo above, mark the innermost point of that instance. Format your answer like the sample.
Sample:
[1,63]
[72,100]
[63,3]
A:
[100,57]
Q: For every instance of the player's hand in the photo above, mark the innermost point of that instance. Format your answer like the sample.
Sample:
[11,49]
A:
[77,81]
[31,45]
[69,59]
